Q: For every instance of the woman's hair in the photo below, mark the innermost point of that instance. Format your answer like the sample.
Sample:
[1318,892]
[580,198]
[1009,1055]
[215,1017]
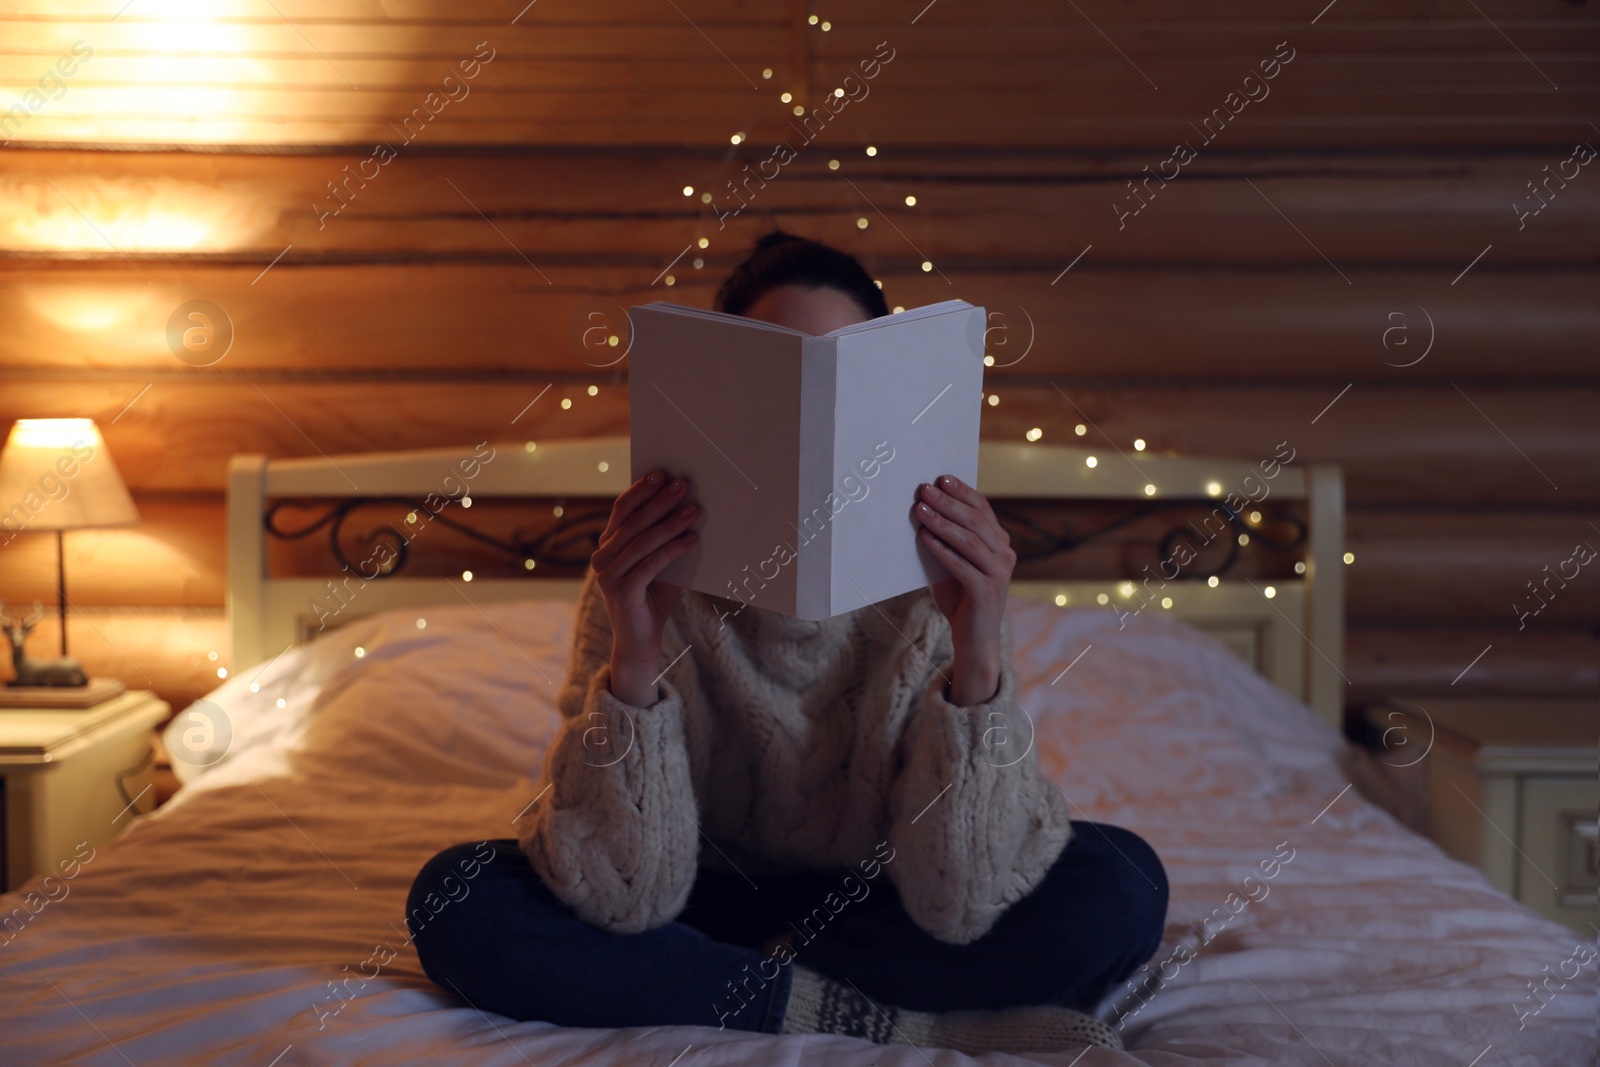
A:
[781,258]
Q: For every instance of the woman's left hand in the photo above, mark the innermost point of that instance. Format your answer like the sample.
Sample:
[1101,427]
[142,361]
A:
[960,529]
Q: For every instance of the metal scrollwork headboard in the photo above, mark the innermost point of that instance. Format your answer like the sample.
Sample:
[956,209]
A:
[1290,626]
[568,543]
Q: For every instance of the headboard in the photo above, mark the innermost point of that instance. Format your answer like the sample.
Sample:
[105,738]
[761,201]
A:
[1291,630]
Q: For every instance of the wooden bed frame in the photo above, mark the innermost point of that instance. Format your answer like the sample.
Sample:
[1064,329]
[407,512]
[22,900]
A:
[1295,638]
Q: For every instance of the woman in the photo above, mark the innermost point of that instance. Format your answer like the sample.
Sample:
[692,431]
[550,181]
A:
[796,826]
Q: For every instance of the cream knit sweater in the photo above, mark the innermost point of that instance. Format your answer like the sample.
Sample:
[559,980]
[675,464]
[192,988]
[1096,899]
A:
[797,744]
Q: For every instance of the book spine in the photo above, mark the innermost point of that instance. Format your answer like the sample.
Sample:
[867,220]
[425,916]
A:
[819,391]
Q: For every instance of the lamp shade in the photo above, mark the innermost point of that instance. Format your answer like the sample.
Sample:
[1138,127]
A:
[56,474]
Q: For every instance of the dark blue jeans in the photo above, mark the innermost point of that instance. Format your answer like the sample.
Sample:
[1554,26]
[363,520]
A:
[502,941]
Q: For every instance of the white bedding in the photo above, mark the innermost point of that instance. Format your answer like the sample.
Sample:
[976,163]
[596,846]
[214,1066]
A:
[212,931]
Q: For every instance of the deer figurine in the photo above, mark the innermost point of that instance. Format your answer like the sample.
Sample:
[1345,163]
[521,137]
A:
[58,672]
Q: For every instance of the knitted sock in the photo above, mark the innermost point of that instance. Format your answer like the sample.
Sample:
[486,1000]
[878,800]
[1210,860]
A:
[1042,1028]
[819,1005]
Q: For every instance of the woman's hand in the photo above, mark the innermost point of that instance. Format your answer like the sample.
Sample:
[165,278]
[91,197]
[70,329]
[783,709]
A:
[960,529]
[648,529]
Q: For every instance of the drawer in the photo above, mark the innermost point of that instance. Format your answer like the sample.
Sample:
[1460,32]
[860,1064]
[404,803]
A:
[1557,872]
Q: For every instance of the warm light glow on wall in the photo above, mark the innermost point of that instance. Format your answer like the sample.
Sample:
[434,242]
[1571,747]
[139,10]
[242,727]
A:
[93,307]
[227,72]
[177,100]
[87,213]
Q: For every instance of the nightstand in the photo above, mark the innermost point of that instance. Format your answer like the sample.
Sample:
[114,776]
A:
[61,771]
[1512,789]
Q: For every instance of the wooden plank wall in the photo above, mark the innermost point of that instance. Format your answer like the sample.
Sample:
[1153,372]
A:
[1383,254]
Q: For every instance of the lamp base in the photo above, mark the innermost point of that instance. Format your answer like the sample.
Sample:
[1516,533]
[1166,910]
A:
[53,696]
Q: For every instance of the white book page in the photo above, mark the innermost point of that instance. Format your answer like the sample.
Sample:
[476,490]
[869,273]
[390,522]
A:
[908,403]
[722,406]
[943,307]
[719,316]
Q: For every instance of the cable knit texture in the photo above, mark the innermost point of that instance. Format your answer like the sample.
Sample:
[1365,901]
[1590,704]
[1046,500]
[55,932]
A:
[780,743]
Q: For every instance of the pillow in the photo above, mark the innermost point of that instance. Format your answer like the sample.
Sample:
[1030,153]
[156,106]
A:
[468,694]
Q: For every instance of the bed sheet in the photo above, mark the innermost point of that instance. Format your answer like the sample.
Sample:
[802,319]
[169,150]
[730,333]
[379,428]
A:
[256,919]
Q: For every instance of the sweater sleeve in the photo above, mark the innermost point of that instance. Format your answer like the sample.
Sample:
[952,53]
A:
[614,830]
[976,824]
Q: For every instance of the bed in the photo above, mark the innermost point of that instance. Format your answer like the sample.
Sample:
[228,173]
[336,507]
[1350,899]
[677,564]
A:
[257,917]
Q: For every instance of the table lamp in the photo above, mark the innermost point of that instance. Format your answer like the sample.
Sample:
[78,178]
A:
[56,474]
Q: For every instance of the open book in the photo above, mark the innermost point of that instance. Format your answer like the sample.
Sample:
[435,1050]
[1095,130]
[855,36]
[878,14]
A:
[805,452]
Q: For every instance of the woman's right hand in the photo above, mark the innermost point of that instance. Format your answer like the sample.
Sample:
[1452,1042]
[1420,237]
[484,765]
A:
[649,528]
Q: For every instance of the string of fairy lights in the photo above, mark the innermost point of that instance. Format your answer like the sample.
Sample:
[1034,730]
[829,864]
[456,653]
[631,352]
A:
[792,101]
